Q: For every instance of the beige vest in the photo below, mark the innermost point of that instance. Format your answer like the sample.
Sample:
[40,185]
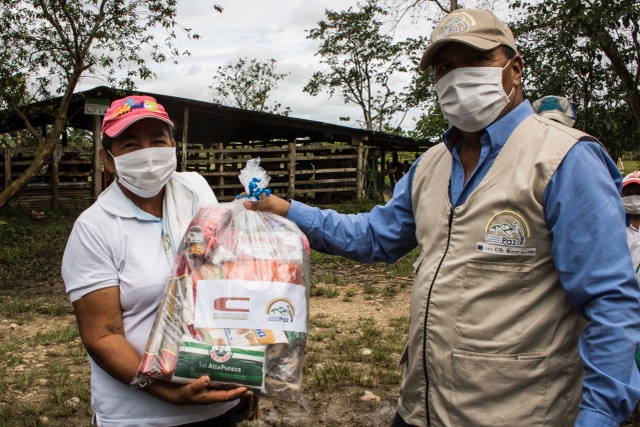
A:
[501,337]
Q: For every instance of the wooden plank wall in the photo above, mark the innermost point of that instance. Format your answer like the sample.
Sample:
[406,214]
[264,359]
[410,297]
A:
[313,173]
[319,173]
[65,180]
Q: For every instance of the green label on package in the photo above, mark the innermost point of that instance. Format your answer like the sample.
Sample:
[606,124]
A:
[242,366]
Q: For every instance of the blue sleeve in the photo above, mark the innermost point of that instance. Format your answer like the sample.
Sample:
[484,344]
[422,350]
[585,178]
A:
[385,234]
[584,213]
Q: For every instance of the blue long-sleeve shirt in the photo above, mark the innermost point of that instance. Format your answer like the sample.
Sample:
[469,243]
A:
[584,213]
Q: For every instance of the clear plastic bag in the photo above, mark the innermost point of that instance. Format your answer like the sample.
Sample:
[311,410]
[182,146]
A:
[236,306]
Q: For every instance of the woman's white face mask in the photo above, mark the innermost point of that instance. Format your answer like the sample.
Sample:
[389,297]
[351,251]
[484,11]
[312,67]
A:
[471,98]
[631,204]
[145,172]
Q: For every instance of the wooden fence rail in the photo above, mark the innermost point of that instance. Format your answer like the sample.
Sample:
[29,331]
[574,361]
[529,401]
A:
[313,173]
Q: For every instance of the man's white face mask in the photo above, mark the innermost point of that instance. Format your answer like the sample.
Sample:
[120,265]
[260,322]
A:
[631,205]
[145,172]
[471,98]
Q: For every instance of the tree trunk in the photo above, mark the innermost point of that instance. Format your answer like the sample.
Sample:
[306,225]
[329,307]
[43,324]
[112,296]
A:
[42,156]
[619,66]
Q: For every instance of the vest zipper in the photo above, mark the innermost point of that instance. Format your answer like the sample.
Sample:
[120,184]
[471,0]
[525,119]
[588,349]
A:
[426,316]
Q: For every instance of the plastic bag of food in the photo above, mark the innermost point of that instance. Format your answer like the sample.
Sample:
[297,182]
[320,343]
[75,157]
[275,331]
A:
[236,306]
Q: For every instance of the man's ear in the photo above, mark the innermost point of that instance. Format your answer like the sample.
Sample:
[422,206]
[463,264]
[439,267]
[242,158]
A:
[107,159]
[517,65]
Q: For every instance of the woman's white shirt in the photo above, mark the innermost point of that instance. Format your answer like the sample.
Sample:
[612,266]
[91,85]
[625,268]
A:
[114,243]
[633,240]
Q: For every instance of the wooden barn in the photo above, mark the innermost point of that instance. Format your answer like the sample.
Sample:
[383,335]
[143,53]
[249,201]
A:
[310,160]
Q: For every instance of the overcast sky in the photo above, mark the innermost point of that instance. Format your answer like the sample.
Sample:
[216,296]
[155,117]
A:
[255,29]
[263,29]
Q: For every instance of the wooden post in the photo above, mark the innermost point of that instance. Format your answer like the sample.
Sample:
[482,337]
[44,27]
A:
[185,137]
[97,164]
[221,168]
[360,162]
[55,180]
[292,170]
[7,167]
[454,5]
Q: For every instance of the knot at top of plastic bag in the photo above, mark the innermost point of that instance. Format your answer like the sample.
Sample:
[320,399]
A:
[255,180]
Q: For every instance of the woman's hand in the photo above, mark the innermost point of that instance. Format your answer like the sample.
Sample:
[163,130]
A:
[195,393]
[99,318]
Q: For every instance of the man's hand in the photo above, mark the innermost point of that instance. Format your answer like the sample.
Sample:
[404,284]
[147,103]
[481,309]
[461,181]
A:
[272,203]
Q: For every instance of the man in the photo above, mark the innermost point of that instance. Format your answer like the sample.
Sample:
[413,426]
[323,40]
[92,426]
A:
[524,267]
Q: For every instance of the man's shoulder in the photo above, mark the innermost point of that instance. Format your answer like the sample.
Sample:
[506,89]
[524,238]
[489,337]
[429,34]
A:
[558,129]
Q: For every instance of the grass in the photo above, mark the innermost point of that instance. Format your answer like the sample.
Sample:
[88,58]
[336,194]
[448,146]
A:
[367,354]
[32,249]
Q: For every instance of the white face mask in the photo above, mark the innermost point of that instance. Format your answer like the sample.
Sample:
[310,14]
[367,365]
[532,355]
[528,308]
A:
[471,98]
[145,172]
[631,205]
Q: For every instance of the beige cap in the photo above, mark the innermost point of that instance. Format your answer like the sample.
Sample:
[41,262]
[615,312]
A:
[478,28]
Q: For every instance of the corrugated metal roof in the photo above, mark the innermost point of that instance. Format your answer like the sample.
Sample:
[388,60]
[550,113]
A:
[211,123]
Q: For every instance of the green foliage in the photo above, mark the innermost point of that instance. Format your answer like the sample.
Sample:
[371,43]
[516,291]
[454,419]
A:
[361,61]
[50,45]
[587,51]
[353,206]
[54,42]
[247,84]
[431,125]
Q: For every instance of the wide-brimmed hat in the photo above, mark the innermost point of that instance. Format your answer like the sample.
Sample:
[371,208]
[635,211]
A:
[126,111]
[478,28]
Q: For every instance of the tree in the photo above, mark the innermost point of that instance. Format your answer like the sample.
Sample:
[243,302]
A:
[362,62]
[247,84]
[49,45]
[588,51]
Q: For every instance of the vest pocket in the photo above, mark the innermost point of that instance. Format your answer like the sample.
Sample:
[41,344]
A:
[495,390]
[494,301]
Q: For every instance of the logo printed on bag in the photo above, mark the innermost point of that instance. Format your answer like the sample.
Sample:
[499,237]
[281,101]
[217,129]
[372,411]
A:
[220,353]
[222,304]
[280,310]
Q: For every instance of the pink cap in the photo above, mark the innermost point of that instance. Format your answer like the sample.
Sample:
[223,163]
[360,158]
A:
[126,111]
[632,178]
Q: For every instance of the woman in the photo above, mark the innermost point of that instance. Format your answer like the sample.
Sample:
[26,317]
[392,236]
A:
[631,201]
[116,264]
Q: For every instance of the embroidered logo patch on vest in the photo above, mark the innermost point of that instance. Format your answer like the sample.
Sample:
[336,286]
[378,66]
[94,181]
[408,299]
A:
[506,234]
